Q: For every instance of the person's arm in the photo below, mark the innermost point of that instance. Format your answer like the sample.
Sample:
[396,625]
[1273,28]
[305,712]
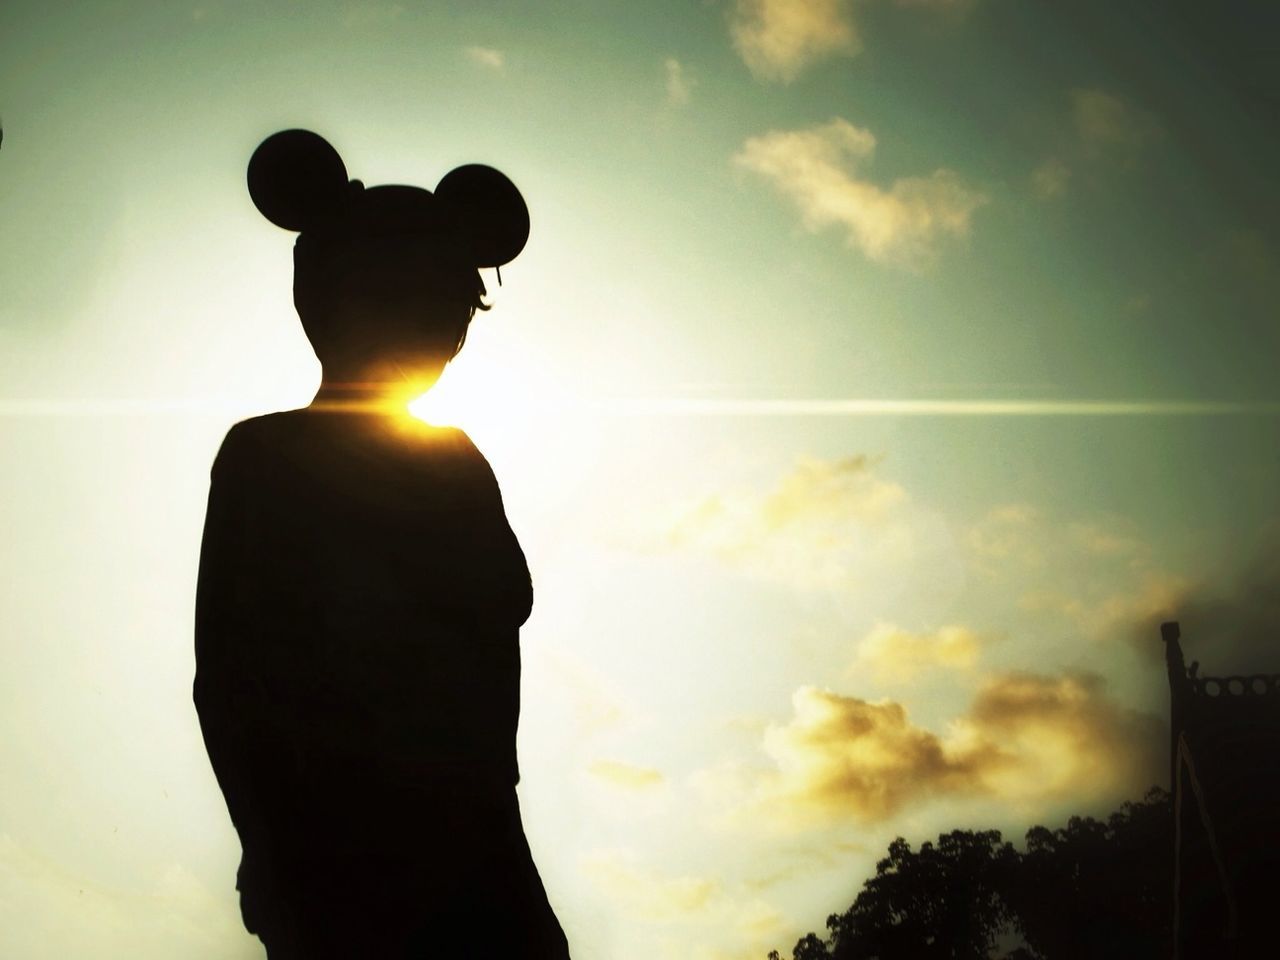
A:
[507,589]
[224,687]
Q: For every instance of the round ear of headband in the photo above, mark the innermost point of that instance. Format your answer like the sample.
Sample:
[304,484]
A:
[485,212]
[296,179]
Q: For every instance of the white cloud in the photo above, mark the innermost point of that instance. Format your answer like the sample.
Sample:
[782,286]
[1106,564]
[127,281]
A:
[486,57]
[678,83]
[817,169]
[779,38]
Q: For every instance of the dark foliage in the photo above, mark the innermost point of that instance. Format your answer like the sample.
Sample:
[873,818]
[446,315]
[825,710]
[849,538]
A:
[1089,889]
[1094,889]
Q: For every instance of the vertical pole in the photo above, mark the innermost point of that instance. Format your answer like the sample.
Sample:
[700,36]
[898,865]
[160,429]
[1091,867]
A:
[1176,666]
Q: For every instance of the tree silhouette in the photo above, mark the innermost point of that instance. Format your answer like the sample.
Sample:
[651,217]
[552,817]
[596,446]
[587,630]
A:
[1089,889]
[1099,889]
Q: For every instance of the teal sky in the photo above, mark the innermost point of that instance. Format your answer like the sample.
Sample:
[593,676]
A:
[766,201]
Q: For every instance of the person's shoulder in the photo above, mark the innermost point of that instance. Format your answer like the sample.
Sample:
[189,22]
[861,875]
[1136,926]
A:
[267,422]
[242,435]
[266,426]
[247,439]
[430,440]
[452,450]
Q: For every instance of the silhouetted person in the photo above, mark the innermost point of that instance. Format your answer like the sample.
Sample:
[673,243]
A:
[361,593]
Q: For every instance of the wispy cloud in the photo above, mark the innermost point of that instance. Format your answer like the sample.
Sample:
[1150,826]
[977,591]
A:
[1008,533]
[1102,128]
[818,169]
[1131,608]
[1050,179]
[1114,539]
[594,700]
[895,656]
[822,524]
[679,84]
[1106,123]
[679,909]
[779,38]
[652,896]
[626,776]
[177,916]
[1229,622]
[1097,576]
[486,57]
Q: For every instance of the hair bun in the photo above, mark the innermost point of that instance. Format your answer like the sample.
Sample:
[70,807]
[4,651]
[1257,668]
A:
[485,212]
[296,179]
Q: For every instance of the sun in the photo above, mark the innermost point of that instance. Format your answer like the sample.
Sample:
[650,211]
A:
[496,394]
[441,406]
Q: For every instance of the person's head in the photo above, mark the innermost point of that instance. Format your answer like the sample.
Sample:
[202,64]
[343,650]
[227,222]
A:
[386,279]
[378,294]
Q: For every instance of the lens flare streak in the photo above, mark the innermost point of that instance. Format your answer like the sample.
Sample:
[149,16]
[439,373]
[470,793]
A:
[681,407]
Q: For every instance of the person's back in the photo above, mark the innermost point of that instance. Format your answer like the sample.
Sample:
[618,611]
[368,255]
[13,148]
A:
[358,674]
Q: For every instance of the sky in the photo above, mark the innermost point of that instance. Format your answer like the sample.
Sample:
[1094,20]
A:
[878,375]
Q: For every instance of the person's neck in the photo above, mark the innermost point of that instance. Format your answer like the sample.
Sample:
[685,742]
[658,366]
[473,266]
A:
[356,396]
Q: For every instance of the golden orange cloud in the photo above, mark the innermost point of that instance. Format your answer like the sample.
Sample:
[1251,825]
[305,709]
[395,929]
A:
[1026,740]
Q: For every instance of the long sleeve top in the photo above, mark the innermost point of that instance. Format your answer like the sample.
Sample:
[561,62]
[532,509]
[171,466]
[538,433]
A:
[358,607]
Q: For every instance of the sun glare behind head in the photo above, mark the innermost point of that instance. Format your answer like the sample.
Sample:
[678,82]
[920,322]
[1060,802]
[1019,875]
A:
[499,394]
[439,406]
[473,396]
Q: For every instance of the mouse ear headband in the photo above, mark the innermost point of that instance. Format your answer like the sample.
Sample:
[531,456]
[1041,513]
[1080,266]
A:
[298,182]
